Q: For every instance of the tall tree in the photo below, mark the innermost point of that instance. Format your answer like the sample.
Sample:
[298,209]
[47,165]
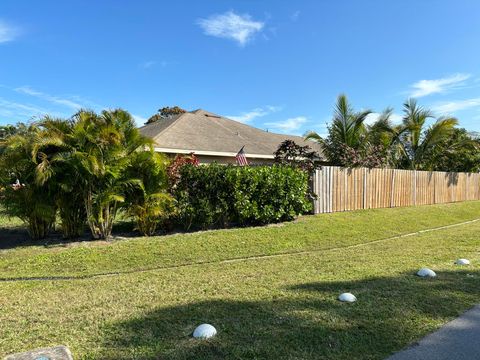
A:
[459,153]
[347,143]
[347,126]
[415,139]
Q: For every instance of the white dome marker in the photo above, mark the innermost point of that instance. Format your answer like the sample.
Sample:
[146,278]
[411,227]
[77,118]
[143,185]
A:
[204,331]
[425,272]
[347,297]
[462,262]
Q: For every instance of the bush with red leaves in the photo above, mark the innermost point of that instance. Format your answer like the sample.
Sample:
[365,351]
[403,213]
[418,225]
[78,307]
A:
[176,165]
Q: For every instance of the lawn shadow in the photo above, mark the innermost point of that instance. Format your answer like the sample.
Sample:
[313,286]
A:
[306,322]
[17,236]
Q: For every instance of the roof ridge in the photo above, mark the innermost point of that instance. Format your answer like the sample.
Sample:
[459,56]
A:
[258,129]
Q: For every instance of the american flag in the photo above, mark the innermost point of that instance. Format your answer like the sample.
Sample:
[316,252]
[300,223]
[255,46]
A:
[241,158]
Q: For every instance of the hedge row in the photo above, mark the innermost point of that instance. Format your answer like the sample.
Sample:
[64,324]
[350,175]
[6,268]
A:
[216,196]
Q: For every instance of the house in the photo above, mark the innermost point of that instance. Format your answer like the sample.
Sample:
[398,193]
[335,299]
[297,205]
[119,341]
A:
[214,138]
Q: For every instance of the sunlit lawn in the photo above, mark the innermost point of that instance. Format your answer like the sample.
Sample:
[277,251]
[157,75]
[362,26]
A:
[281,307]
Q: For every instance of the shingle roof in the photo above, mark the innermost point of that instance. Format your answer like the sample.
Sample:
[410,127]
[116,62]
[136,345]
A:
[201,130]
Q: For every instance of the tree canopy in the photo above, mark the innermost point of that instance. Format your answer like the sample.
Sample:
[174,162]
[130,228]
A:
[166,113]
[420,141]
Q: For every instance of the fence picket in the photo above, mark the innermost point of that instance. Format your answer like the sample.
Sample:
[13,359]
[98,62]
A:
[342,189]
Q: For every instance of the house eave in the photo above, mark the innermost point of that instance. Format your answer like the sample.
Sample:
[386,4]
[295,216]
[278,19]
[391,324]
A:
[210,153]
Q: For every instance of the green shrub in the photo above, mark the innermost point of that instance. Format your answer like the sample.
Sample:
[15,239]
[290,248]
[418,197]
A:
[269,194]
[204,196]
[33,205]
[150,204]
[213,196]
[20,195]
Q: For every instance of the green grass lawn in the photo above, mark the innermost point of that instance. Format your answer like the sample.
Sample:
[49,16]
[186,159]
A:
[284,307]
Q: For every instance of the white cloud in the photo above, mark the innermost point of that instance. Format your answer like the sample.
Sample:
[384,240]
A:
[428,87]
[147,64]
[50,98]
[8,32]
[14,111]
[295,15]
[246,117]
[289,125]
[240,28]
[151,63]
[450,107]
[394,118]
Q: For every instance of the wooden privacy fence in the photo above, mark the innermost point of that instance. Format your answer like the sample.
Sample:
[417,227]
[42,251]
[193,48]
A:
[342,189]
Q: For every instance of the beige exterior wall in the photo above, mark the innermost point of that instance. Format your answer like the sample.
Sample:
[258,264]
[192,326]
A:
[208,159]
[205,159]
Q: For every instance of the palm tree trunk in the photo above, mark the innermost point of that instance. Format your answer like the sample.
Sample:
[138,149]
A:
[92,224]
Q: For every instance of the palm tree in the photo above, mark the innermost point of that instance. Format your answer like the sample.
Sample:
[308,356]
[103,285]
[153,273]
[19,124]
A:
[414,139]
[105,148]
[347,127]
[91,155]
[379,132]
[459,153]
[380,136]
[53,147]
[149,205]
[21,195]
[346,131]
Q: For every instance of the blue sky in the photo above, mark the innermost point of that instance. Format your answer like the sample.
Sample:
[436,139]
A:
[277,65]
